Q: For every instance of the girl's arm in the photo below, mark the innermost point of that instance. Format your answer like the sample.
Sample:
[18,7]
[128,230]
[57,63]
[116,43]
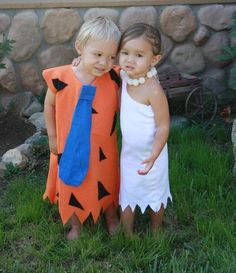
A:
[160,108]
[50,120]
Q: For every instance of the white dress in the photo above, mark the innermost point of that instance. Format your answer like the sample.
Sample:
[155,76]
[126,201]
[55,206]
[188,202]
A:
[138,130]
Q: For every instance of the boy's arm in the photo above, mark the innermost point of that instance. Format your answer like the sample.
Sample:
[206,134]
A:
[50,120]
[160,108]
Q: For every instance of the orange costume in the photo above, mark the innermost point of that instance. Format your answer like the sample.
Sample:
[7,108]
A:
[101,185]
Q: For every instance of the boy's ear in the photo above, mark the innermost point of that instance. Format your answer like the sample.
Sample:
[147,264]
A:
[77,48]
[156,59]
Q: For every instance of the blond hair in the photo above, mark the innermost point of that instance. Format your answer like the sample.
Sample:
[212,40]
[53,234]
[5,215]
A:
[100,28]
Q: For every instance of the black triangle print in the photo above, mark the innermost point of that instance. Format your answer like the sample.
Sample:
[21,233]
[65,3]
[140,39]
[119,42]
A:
[113,125]
[115,77]
[101,154]
[59,85]
[58,158]
[102,192]
[74,202]
[94,111]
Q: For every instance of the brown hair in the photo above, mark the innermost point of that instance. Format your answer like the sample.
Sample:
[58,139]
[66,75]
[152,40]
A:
[150,33]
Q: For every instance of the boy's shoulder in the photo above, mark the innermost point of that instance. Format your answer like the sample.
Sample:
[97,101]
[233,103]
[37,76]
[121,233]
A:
[117,68]
[57,70]
[115,74]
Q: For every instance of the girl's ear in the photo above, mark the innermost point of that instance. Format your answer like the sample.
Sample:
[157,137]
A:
[156,59]
[77,48]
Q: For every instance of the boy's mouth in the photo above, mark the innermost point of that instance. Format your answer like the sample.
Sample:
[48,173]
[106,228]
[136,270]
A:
[101,70]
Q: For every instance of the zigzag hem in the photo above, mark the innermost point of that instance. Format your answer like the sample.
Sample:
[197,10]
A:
[154,206]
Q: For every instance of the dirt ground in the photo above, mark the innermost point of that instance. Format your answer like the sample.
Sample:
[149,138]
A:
[13,132]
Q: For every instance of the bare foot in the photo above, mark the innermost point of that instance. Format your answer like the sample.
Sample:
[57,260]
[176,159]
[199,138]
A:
[112,220]
[112,225]
[73,233]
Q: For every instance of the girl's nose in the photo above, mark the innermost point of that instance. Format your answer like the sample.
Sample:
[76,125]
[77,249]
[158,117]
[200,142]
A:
[130,58]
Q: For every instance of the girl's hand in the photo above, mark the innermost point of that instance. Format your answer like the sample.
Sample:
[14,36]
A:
[52,141]
[76,61]
[148,165]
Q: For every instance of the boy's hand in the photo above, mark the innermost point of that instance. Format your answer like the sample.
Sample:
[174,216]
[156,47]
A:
[52,141]
[76,61]
[148,165]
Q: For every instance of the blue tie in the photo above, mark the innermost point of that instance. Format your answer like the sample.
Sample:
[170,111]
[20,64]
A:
[74,162]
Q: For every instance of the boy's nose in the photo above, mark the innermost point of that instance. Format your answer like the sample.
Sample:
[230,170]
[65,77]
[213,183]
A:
[103,61]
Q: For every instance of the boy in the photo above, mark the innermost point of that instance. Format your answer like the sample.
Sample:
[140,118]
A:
[81,189]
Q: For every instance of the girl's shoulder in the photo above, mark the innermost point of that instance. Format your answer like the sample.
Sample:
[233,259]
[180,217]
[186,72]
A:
[154,87]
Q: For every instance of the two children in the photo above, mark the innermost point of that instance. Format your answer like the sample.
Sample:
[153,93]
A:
[144,125]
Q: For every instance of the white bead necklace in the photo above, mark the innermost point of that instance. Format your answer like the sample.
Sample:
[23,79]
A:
[151,73]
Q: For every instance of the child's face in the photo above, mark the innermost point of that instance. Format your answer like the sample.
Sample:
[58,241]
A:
[97,57]
[136,57]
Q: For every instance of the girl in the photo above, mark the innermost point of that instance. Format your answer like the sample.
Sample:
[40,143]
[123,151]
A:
[144,120]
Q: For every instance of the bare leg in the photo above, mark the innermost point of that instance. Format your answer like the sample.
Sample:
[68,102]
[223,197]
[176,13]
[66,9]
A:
[75,228]
[157,218]
[111,219]
[127,220]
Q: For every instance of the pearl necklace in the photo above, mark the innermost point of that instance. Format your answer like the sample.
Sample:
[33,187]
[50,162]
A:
[151,73]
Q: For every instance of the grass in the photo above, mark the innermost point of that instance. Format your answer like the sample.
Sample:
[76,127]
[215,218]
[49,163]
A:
[199,233]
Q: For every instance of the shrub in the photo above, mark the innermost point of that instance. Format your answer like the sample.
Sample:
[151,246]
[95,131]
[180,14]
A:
[5,48]
[230,54]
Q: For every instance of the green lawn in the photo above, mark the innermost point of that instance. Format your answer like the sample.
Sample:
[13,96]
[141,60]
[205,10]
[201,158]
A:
[199,232]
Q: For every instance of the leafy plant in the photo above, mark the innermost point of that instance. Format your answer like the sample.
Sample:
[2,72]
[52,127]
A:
[5,48]
[230,54]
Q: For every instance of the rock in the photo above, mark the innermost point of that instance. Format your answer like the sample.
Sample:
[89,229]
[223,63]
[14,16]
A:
[201,36]
[34,107]
[8,76]
[166,47]
[17,103]
[4,22]
[15,157]
[215,80]
[25,149]
[177,22]
[188,58]
[213,49]
[30,79]
[59,25]
[134,15]
[37,119]
[36,138]
[2,169]
[56,56]
[217,17]
[25,31]
[112,14]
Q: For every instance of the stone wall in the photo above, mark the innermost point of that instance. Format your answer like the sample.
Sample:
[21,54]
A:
[193,39]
